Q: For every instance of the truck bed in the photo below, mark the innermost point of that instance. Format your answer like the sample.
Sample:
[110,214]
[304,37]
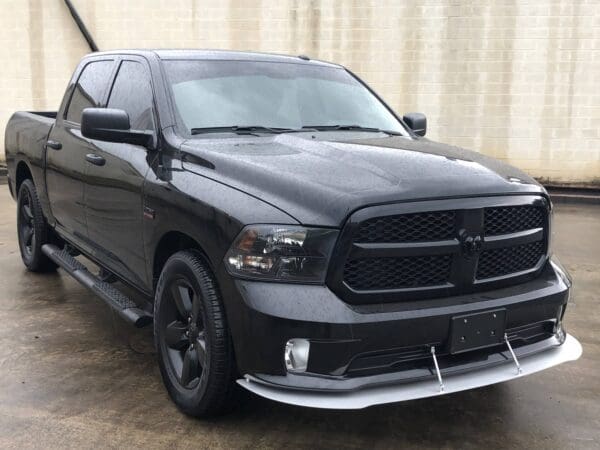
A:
[25,138]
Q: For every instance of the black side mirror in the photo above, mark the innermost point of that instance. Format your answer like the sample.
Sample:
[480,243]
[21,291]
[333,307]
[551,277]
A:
[112,125]
[416,122]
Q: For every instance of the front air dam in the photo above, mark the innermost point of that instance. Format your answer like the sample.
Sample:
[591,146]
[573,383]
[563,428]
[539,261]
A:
[570,350]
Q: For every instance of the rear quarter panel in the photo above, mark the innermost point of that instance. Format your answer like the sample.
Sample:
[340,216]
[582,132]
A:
[24,141]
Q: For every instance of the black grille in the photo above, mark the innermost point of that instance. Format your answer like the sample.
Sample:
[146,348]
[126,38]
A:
[427,226]
[507,260]
[397,273]
[449,251]
[511,219]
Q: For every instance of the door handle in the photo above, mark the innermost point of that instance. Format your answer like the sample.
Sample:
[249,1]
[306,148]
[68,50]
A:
[95,159]
[55,145]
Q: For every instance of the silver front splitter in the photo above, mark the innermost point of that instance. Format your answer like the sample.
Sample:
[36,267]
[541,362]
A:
[570,350]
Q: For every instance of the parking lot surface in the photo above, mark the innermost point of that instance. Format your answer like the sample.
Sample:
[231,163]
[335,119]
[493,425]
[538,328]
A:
[72,374]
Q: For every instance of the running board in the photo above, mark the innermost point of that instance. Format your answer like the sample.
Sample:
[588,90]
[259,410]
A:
[122,304]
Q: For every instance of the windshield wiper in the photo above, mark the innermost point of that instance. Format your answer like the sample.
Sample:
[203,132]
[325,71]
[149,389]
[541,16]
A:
[253,129]
[248,129]
[352,128]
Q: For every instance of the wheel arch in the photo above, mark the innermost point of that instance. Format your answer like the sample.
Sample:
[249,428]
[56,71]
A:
[22,173]
[170,243]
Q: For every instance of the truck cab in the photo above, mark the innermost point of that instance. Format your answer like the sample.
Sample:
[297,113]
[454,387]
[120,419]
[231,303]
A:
[287,231]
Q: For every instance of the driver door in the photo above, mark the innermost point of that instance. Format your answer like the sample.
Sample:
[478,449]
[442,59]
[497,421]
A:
[115,174]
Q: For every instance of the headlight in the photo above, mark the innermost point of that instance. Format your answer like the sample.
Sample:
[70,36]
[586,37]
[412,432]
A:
[281,253]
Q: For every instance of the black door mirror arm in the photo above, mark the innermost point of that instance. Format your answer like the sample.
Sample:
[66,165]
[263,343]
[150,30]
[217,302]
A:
[417,122]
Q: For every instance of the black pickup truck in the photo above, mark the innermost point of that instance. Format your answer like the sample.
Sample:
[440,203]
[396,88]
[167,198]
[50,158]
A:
[287,231]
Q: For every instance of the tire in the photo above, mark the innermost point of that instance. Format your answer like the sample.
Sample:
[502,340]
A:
[192,339]
[32,229]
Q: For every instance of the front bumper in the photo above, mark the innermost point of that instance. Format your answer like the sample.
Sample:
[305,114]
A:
[361,355]
[570,350]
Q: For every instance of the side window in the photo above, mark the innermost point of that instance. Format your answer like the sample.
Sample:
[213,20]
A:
[132,92]
[89,88]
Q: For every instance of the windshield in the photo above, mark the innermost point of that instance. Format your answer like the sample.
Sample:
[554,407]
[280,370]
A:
[212,94]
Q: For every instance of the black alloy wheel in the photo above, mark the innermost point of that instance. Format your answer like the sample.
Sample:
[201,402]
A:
[26,225]
[194,348]
[185,334]
[32,230]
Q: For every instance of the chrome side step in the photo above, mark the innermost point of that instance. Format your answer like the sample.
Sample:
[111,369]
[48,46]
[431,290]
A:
[114,298]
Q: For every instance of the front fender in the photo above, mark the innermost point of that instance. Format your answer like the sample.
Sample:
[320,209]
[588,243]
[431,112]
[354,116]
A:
[209,212]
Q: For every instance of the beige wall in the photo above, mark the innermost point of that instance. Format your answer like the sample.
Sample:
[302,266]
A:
[518,80]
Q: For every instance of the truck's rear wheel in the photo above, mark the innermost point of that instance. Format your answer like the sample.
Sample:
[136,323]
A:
[33,231]
[192,338]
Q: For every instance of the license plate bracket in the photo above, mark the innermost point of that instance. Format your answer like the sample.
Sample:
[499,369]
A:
[478,330]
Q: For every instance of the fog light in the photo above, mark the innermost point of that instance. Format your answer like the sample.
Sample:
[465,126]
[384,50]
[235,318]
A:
[296,355]
[559,331]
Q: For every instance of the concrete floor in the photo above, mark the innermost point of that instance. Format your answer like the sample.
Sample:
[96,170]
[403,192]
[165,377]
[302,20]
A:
[72,374]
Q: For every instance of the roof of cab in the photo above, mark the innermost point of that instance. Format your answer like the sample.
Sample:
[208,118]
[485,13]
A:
[224,55]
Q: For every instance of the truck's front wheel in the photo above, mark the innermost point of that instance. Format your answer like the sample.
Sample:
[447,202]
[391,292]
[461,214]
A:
[192,338]
[32,229]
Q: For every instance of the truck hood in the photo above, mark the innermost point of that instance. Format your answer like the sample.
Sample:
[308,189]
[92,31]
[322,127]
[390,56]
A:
[320,182]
